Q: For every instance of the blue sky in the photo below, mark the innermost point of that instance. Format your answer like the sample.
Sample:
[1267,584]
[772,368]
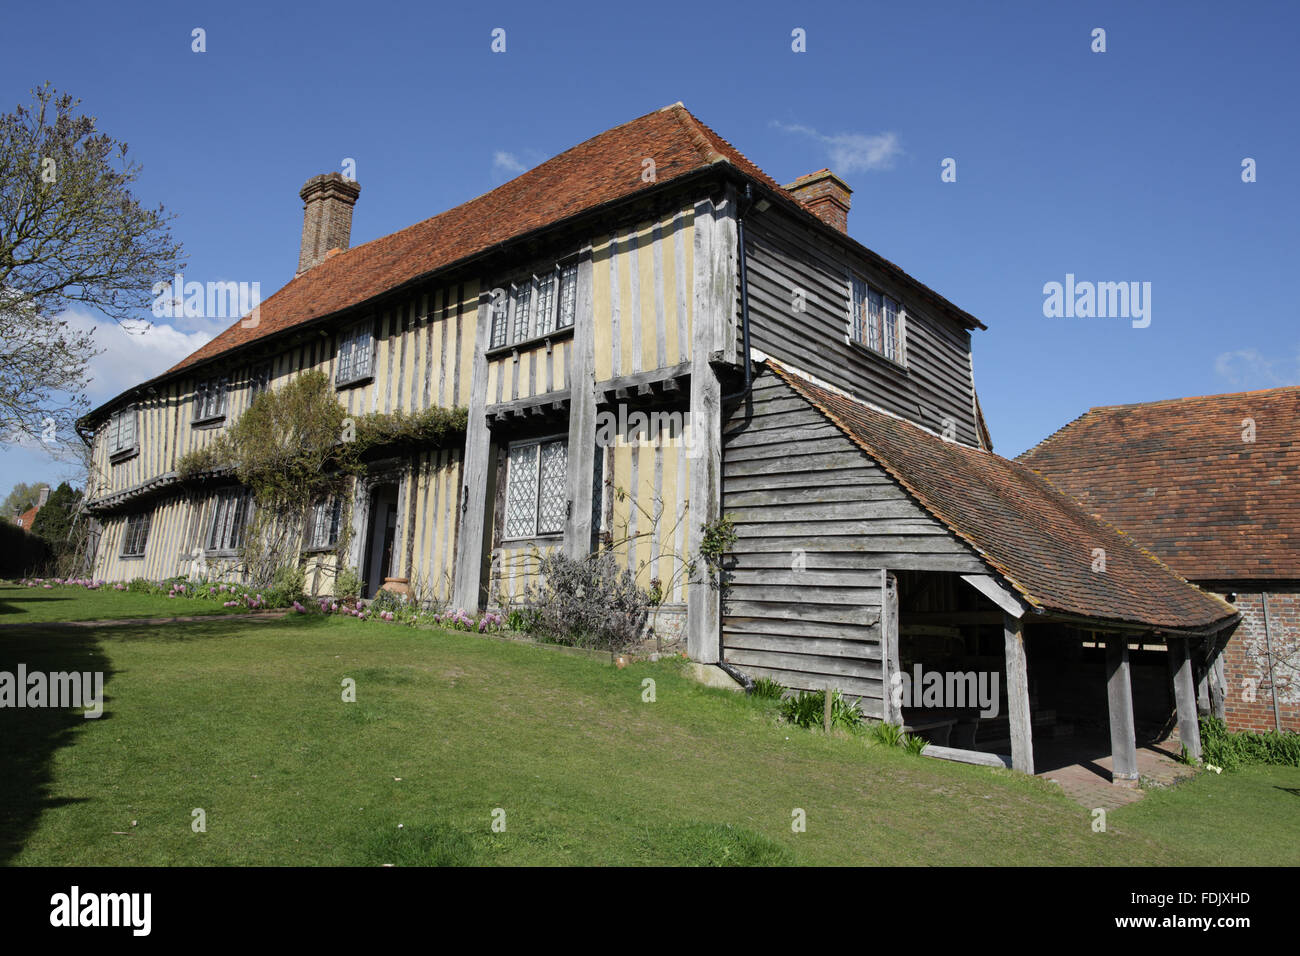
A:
[1115,166]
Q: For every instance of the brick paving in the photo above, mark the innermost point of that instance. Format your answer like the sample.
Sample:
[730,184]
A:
[1083,771]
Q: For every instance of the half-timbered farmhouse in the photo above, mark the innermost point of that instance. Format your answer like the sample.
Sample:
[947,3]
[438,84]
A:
[783,374]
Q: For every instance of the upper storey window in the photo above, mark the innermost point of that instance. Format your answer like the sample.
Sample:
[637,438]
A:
[122,433]
[535,306]
[356,354]
[210,400]
[877,321]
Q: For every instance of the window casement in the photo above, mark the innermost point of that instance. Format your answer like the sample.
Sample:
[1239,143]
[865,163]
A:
[536,306]
[210,400]
[323,524]
[536,501]
[356,354]
[229,519]
[877,321]
[122,433]
[136,535]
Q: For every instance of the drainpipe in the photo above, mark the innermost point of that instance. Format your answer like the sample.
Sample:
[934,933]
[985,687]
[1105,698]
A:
[1268,649]
[741,211]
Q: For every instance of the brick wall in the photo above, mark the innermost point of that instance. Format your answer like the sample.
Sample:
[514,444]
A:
[1246,662]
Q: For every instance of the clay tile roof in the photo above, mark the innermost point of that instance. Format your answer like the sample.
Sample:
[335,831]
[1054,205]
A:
[605,168]
[27,517]
[1178,477]
[1036,538]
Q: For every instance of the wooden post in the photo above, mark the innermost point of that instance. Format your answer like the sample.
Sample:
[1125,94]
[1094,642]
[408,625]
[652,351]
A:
[1180,672]
[467,587]
[713,317]
[891,710]
[582,417]
[826,716]
[1217,678]
[1119,694]
[1022,735]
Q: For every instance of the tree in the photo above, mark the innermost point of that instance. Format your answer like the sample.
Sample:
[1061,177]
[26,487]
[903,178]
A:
[54,520]
[22,497]
[70,233]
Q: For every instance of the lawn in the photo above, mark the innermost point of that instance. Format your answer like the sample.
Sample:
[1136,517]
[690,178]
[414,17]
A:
[245,720]
[24,605]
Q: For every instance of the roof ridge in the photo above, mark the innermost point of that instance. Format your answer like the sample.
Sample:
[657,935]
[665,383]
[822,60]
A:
[1195,398]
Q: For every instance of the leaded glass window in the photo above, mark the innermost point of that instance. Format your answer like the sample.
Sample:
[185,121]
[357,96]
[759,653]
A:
[536,503]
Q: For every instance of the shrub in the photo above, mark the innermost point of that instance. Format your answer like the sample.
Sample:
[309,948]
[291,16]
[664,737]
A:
[767,689]
[347,583]
[290,580]
[142,586]
[808,709]
[521,619]
[1223,748]
[887,735]
[588,602]
[914,745]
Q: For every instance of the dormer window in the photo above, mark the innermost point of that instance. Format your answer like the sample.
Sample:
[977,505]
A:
[210,401]
[536,306]
[877,321]
[356,355]
[121,434]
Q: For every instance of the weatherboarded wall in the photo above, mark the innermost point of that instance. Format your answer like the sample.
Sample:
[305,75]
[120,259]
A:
[817,522]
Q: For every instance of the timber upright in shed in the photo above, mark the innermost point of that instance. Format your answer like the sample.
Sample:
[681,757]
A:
[1180,672]
[891,710]
[1022,735]
[1119,693]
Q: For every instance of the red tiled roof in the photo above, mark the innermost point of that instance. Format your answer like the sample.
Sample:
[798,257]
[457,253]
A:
[25,519]
[1179,478]
[1036,538]
[605,168]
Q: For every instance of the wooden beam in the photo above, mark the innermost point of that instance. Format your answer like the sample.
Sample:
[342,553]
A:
[1022,732]
[992,589]
[1119,695]
[582,417]
[467,588]
[967,756]
[712,298]
[1217,679]
[889,664]
[1180,672]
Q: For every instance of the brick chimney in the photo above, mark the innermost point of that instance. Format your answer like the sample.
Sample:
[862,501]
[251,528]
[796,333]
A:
[326,217]
[824,195]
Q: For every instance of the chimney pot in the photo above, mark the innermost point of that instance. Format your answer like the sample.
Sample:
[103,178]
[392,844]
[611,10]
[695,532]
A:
[326,217]
[824,195]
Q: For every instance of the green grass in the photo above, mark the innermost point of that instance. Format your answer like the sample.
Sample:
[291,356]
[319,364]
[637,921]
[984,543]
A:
[245,719]
[24,605]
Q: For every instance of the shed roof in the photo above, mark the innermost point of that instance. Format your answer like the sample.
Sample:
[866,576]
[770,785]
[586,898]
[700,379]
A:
[1040,541]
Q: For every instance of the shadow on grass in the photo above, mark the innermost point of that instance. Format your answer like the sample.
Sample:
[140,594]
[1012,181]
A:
[30,737]
[15,605]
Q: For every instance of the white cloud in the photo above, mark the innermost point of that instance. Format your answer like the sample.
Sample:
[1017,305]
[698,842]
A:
[1249,368]
[132,352]
[853,152]
[507,164]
